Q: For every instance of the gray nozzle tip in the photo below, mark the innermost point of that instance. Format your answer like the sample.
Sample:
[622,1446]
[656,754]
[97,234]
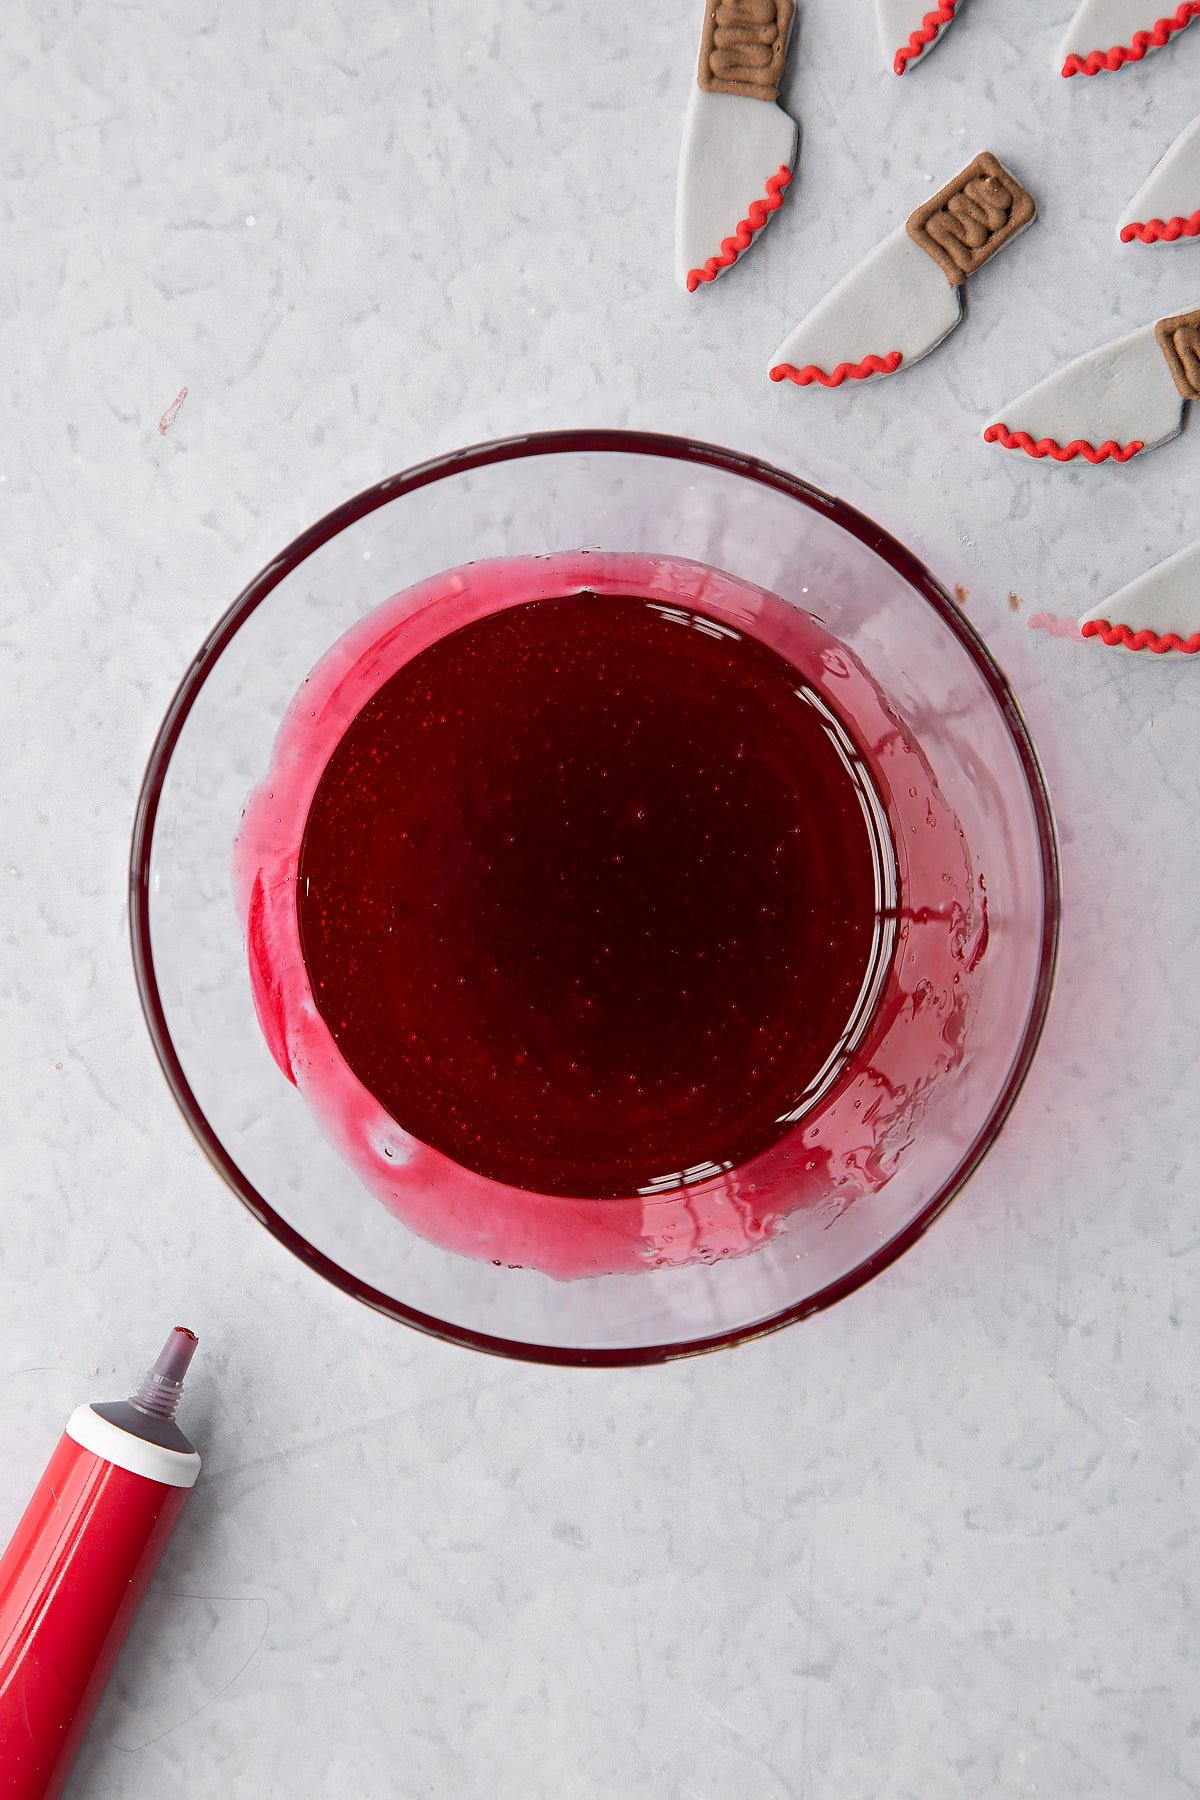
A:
[159,1391]
[174,1359]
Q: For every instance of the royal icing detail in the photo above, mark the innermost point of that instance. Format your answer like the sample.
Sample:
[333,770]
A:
[1179,340]
[1162,231]
[1106,406]
[1159,612]
[1166,208]
[909,28]
[860,371]
[739,147]
[747,230]
[972,217]
[1127,639]
[1104,35]
[904,297]
[744,47]
[1109,451]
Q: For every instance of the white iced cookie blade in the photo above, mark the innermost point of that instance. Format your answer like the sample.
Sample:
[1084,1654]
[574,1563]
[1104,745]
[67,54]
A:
[1166,208]
[891,310]
[1106,406]
[910,28]
[1104,35]
[737,158]
[1159,612]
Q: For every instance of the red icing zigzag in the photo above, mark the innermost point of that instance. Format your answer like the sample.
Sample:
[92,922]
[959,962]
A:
[732,247]
[1162,231]
[859,371]
[1093,453]
[920,40]
[1113,59]
[1141,640]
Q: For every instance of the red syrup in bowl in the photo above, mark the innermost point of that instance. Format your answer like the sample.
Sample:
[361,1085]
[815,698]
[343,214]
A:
[588,896]
[571,906]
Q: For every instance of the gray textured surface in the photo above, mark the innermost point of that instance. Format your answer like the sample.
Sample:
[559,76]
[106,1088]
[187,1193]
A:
[939,1542]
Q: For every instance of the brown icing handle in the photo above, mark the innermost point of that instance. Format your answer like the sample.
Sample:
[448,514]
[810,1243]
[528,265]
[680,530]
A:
[972,217]
[1179,341]
[744,47]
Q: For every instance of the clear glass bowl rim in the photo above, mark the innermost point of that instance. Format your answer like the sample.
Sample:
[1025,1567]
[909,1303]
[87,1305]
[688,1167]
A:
[459,462]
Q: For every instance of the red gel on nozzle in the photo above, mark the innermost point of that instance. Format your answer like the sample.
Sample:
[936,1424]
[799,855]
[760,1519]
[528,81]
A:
[78,1565]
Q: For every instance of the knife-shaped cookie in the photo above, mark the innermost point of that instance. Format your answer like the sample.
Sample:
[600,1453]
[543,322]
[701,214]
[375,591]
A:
[1159,612]
[1107,34]
[739,146]
[909,28]
[1112,403]
[906,294]
[1166,208]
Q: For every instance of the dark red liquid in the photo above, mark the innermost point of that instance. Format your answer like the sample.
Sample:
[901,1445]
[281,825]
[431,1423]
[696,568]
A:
[587,895]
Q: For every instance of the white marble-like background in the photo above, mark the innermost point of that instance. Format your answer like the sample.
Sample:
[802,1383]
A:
[939,1542]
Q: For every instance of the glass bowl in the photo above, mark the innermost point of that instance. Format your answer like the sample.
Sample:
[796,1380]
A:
[888,1141]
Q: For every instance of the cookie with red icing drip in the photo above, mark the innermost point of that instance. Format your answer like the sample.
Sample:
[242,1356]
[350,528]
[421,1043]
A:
[739,145]
[1105,35]
[910,28]
[905,296]
[1158,614]
[1166,208]
[1110,404]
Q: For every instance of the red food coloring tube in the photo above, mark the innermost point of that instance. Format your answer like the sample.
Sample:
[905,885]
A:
[78,1565]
